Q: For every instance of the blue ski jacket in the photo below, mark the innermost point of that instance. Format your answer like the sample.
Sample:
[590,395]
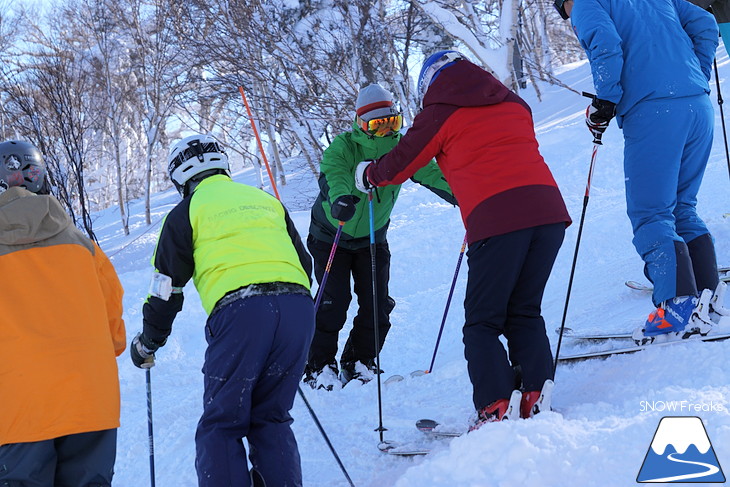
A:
[645,50]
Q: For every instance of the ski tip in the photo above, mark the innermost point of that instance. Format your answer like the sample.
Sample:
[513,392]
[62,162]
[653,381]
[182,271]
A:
[419,373]
[637,286]
[426,424]
[393,379]
[566,331]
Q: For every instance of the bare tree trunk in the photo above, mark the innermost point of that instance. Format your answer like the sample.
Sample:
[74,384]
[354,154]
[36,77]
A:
[271,133]
[148,181]
[120,188]
[304,150]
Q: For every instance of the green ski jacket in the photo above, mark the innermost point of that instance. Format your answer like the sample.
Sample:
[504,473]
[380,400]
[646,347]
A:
[337,178]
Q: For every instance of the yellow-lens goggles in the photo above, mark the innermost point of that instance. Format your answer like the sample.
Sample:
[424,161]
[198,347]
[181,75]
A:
[380,127]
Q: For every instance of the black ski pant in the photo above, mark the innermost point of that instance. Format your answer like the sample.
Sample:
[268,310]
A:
[332,313]
[78,460]
[507,277]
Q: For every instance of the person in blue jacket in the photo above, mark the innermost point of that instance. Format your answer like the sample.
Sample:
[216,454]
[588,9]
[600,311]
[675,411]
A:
[651,62]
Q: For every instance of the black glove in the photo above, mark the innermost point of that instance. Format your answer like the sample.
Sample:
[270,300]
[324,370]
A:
[598,115]
[143,351]
[343,209]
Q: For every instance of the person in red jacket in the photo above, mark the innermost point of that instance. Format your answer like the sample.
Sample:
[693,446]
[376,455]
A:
[60,334]
[483,139]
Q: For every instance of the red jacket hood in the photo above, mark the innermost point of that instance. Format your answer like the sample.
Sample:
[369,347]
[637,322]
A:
[465,84]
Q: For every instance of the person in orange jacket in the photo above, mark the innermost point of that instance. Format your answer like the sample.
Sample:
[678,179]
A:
[60,334]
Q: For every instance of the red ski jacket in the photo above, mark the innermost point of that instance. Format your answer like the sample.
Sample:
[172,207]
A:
[483,139]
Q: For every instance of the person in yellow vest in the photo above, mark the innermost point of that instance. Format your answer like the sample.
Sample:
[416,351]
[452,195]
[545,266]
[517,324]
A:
[252,272]
[60,334]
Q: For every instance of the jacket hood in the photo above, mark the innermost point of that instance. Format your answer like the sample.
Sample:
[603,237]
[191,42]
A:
[464,84]
[27,218]
[370,144]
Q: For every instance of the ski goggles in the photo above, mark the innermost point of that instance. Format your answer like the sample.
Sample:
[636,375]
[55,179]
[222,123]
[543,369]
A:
[560,7]
[380,127]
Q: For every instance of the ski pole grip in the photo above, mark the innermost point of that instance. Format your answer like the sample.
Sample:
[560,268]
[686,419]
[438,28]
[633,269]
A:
[589,95]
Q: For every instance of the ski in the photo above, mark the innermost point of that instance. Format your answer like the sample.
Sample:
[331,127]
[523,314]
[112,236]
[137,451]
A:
[398,378]
[573,335]
[723,271]
[637,348]
[402,449]
[637,286]
[434,429]
[600,336]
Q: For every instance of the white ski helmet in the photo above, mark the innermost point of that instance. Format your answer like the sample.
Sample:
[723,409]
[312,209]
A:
[21,164]
[193,156]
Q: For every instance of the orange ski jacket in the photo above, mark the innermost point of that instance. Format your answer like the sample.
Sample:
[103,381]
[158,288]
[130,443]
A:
[61,324]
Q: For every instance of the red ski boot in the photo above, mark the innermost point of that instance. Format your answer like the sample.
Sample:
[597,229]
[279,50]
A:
[499,410]
[534,402]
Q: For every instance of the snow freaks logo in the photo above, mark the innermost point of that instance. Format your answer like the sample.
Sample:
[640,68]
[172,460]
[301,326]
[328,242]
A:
[681,452]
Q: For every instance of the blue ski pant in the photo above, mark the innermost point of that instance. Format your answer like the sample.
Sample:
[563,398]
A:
[78,460]
[667,144]
[257,347]
[506,282]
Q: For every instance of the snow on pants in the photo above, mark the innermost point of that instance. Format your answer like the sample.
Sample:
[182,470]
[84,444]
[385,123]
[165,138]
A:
[507,277]
[257,347]
[78,460]
[667,144]
[332,312]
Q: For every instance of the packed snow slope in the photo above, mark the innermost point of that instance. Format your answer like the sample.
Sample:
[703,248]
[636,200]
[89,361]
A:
[602,425]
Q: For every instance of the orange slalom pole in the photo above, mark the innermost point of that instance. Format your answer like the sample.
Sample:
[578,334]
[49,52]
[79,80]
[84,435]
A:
[258,140]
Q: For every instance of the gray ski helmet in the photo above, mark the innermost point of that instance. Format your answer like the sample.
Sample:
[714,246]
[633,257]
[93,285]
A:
[194,155]
[21,164]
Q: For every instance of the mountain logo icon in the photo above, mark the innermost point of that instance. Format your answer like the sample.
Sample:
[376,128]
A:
[681,452]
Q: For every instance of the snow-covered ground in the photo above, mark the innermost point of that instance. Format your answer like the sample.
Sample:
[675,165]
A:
[600,431]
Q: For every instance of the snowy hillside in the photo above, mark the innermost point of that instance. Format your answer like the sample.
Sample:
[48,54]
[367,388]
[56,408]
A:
[600,431]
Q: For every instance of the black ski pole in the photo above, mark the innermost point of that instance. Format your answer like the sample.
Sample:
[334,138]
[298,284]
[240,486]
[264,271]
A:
[324,435]
[722,116]
[380,428]
[575,254]
[448,303]
[149,427]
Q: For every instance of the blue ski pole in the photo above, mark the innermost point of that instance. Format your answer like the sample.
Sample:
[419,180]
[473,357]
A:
[375,313]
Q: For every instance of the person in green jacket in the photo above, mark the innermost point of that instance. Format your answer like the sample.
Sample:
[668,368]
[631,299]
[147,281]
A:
[375,131]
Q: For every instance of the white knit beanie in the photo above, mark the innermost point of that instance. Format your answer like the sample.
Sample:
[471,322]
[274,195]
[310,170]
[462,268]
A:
[374,101]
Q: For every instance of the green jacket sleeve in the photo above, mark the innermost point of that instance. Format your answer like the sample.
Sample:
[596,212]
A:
[338,167]
[431,177]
